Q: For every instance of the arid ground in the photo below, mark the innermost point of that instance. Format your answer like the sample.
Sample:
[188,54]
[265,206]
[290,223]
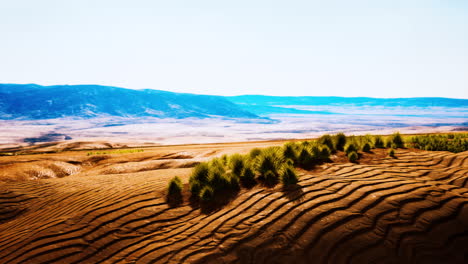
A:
[80,206]
[139,131]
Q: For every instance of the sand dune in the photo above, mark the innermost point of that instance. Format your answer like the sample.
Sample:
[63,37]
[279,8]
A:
[412,209]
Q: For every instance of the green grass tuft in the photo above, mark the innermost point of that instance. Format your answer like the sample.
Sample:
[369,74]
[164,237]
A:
[289,176]
[353,156]
[366,147]
[391,153]
[119,151]
[174,191]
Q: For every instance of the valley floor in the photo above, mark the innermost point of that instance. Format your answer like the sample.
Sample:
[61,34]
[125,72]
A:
[153,131]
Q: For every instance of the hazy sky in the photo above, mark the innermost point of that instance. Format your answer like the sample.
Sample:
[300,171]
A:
[397,48]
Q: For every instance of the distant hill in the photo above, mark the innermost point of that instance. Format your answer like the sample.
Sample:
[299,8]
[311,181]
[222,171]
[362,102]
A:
[263,100]
[31,101]
[16,88]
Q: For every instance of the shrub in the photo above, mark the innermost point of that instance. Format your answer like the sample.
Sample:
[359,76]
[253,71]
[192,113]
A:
[195,187]
[289,176]
[199,178]
[315,152]
[213,175]
[220,178]
[305,144]
[217,163]
[206,194]
[325,153]
[367,138]
[200,173]
[305,159]
[120,151]
[236,164]
[270,178]
[353,156]
[366,147]
[289,151]
[327,141]
[452,142]
[174,190]
[233,182]
[391,153]
[247,178]
[378,142]
[217,179]
[340,141]
[397,140]
[351,147]
[223,159]
[270,160]
[254,153]
[388,143]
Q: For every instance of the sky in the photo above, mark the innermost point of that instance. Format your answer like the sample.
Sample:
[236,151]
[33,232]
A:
[398,48]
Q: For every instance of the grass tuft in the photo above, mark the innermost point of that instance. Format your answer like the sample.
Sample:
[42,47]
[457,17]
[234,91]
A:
[353,156]
[174,191]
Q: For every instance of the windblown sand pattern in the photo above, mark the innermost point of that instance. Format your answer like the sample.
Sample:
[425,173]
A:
[413,209]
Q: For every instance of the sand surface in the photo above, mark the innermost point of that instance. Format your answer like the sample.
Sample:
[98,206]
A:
[71,207]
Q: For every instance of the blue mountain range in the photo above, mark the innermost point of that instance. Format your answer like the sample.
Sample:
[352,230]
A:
[32,101]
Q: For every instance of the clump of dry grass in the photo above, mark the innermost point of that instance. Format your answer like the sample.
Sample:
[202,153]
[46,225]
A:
[174,191]
[214,180]
[119,151]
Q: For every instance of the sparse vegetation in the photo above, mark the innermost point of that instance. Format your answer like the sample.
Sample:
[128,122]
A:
[327,140]
[360,194]
[199,178]
[254,153]
[174,191]
[366,147]
[224,176]
[351,147]
[119,151]
[289,176]
[269,163]
[448,142]
[206,194]
[397,141]
[305,158]
[236,164]
[325,153]
[290,151]
[388,143]
[340,141]
[378,142]
[353,156]
[247,178]
[270,179]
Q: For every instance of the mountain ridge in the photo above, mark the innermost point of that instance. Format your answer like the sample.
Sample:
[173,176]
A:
[33,101]
[42,102]
[327,100]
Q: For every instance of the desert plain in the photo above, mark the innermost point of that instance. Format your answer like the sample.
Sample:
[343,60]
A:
[68,203]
